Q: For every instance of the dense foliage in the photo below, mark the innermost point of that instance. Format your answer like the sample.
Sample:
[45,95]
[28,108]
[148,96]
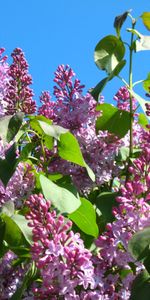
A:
[75,181]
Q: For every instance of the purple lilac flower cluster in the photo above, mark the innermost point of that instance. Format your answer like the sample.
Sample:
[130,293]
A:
[4,79]
[78,113]
[63,261]
[19,186]
[123,99]
[18,96]
[10,277]
[59,253]
[132,215]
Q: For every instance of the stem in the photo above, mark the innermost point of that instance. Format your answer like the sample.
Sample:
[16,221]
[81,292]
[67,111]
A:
[137,82]
[131,86]
[123,80]
[131,104]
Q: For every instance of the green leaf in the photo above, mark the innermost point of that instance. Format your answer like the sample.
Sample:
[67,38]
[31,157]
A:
[2,234]
[26,150]
[55,176]
[143,43]
[135,32]
[8,165]
[142,120]
[22,223]
[100,86]
[40,125]
[8,208]
[69,149]
[61,198]
[48,142]
[141,287]
[66,182]
[104,204]
[85,218]
[119,20]
[123,153]
[146,83]
[141,101]
[9,126]
[14,125]
[34,123]
[13,235]
[52,130]
[16,229]
[146,19]
[139,243]
[113,119]
[4,122]
[96,91]
[108,53]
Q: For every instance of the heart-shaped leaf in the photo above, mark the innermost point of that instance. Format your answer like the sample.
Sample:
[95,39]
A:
[61,198]
[108,53]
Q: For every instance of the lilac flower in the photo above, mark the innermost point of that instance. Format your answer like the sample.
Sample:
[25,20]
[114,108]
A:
[123,99]
[10,277]
[59,253]
[19,95]
[4,79]
[19,186]
[132,215]
[78,113]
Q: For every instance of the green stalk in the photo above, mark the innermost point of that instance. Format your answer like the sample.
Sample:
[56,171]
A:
[131,86]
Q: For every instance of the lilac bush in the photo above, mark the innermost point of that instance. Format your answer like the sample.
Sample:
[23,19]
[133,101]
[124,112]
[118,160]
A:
[75,182]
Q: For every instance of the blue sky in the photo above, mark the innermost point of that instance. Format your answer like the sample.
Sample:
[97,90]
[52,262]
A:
[54,32]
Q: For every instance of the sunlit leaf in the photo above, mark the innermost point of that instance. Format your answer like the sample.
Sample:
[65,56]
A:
[146,19]
[22,223]
[85,218]
[9,126]
[14,125]
[143,121]
[52,130]
[143,43]
[61,198]
[108,53]
[69,149]
[146,83]
[8,208]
